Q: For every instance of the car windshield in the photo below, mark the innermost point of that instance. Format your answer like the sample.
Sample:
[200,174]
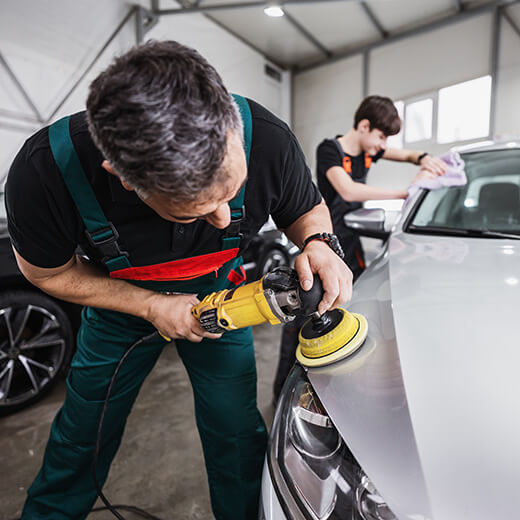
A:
[487,206]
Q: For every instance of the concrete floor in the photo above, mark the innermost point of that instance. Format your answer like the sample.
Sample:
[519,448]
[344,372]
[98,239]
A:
[159,466]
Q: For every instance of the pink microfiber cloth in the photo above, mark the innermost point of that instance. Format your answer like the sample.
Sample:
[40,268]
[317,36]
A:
[454,176]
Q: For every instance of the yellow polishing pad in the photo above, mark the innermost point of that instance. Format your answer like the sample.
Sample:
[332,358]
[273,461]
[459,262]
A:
[343,339]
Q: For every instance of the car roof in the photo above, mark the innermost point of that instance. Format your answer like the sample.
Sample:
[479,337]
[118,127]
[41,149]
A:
[488,146]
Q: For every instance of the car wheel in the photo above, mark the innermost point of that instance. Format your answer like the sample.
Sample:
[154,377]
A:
[36,344]
[274,257]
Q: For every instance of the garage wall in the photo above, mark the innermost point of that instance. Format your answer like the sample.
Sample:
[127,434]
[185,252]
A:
[48,45]
[324,101]
[406,69]
[432,60]
[508,100]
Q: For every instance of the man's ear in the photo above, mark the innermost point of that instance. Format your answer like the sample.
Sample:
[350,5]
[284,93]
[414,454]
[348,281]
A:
[106,165]
[364,126]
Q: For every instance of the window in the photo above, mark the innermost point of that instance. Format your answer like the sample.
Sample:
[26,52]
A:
[396,141]
[418,121]
[464,111]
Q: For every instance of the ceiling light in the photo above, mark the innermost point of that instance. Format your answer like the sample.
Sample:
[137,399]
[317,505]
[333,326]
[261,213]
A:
[273,10]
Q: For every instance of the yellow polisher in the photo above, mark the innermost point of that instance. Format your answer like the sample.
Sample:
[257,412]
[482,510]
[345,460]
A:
[278,298]
[330,337]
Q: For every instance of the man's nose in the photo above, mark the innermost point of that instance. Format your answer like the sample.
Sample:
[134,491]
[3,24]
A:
[221,217]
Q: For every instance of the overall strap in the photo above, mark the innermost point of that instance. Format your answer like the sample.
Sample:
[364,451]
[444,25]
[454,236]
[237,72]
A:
[232,236]
[100,233]
[247,122]
[340,148]
[346,161]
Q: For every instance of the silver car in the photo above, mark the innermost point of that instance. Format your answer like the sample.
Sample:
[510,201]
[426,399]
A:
[423,421]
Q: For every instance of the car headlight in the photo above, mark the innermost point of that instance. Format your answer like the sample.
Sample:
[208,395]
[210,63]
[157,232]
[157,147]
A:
[315,475]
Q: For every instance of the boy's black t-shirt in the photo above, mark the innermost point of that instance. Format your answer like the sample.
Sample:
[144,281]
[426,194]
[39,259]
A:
[46,228]
[330,154]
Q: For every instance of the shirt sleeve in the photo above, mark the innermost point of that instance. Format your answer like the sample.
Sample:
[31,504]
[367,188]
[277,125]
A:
[41,231]
[327,156]
[298,193]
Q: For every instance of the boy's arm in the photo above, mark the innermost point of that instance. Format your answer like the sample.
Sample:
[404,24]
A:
[353,191]
[434,165]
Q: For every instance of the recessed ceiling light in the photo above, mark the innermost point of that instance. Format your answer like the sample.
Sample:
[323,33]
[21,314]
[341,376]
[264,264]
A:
[273,10]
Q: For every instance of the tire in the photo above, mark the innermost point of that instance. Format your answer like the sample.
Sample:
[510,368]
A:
[271,258]
[36,345]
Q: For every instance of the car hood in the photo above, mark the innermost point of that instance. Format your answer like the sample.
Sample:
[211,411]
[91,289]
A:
[429,404]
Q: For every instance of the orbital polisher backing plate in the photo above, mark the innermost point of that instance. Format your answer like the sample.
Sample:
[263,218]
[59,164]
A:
[344,333]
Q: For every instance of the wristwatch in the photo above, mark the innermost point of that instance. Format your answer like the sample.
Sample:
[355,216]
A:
[330,239]
[421,157]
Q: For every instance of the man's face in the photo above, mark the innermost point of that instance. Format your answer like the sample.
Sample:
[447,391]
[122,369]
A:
[212,205]
[372,140]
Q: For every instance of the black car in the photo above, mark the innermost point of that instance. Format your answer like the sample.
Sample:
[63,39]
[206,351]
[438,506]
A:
[37,333]
[267,250]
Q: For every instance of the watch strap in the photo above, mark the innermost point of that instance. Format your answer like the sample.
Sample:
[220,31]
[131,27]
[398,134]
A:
[330,239]
[421,157]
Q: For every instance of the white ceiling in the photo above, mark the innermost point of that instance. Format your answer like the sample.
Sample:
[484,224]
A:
[313,31]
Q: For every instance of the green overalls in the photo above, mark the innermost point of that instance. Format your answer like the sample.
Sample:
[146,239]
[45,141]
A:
[222,372]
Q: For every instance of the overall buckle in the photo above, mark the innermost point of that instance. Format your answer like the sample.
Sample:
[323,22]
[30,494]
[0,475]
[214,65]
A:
[105,240]
[237,217]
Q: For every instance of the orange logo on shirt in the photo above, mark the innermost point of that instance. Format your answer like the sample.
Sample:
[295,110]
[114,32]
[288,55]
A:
[368,161]
[347,164]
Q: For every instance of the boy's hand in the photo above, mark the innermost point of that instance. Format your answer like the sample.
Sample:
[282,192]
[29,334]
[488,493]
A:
[434,165]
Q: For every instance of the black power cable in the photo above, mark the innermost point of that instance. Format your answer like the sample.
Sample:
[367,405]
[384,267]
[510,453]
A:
[108,505]
[132,509]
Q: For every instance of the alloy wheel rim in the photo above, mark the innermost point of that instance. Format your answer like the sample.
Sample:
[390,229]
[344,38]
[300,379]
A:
[31,352]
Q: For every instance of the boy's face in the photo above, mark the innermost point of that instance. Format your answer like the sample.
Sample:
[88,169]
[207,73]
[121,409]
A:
[372,140]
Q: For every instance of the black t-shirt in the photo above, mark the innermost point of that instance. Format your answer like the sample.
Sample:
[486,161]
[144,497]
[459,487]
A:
[46,228]
[330,154]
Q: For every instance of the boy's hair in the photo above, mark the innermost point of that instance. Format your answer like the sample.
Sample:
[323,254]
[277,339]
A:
[381,113]
[160,115]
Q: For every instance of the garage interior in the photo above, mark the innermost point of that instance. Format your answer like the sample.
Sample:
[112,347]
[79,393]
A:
[442,61]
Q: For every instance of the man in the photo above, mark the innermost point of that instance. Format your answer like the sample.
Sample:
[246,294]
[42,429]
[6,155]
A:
[153,183]
[342,168]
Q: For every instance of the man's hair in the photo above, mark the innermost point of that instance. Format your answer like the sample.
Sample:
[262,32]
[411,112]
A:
[381,113]
[160,115]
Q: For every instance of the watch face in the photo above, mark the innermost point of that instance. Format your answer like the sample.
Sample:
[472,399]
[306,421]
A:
[336,246]
[330,239]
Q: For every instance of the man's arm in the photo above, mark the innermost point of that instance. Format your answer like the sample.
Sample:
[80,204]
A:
[434,165]
[79,281]
[319,258]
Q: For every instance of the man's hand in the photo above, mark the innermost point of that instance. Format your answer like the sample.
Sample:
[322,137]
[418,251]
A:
[434,165]
[171,316]
[336,277]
